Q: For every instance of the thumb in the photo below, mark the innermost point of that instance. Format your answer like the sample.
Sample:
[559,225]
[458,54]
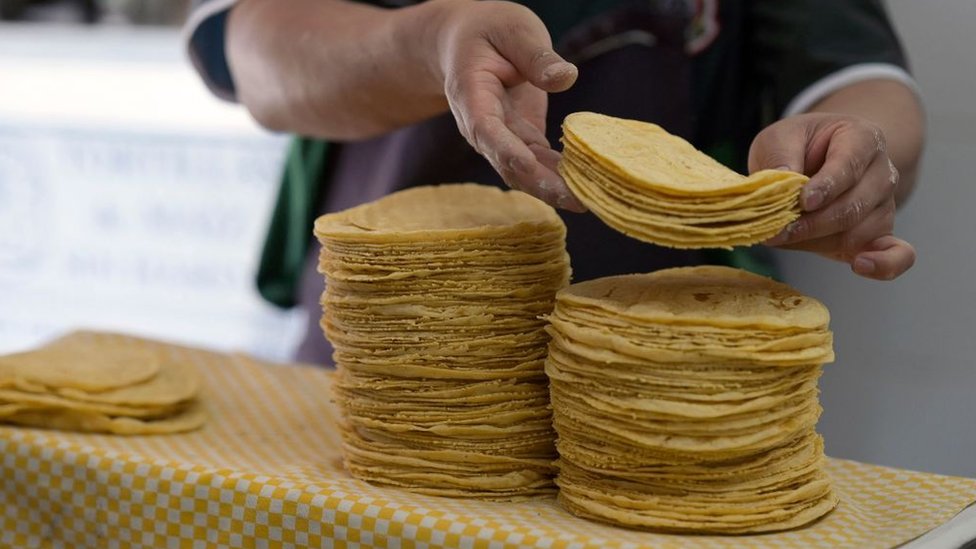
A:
[778,147]
[528,47]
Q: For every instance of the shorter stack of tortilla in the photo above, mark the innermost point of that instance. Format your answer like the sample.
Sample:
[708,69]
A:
[686,400]
[434,302]
[99,382]
[656,187]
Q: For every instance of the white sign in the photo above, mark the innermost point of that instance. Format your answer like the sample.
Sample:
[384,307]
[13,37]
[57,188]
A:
[142,211]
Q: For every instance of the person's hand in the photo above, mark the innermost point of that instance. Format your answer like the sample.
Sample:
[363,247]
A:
[497,65]
[849,204]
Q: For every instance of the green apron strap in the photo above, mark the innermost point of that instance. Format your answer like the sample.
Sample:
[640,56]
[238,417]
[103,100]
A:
[290,231]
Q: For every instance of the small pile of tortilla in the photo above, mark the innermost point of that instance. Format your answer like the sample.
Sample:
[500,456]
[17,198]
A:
[685,400]
[99,382]
[656,187]
[434,302]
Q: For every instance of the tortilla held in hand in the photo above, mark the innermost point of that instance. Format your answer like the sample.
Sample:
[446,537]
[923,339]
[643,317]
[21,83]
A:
[656,187]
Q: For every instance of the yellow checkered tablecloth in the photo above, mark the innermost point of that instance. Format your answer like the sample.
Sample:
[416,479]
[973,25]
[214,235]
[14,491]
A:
[266,472]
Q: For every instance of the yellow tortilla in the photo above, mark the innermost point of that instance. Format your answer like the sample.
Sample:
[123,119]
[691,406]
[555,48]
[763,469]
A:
[85,361]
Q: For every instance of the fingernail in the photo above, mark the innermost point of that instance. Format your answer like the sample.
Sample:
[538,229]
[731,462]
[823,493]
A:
[569,202]
[783,168]
[812,198]
[863,266]
[557,70]
[558,195]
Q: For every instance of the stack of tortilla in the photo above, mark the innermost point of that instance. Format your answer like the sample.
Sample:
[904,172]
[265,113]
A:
[434,303]
[656,187]
[99,382]
[686,400]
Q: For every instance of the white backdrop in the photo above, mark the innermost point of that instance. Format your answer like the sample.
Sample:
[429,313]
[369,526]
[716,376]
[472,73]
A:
[129,198]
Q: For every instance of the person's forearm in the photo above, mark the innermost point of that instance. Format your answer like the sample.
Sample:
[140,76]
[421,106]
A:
[335,69]
[896,110]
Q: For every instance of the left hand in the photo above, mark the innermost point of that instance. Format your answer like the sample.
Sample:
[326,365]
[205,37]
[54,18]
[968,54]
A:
[849,204]
[498,67]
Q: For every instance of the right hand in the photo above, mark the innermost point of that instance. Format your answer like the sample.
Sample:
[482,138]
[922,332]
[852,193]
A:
[849,204]
[496,64]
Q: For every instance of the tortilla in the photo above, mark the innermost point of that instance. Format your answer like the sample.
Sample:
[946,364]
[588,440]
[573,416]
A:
[656,187]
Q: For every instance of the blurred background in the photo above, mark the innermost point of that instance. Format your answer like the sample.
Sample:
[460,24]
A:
[132,200]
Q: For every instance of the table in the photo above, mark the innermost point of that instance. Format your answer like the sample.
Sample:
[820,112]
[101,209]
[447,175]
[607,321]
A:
[266,471]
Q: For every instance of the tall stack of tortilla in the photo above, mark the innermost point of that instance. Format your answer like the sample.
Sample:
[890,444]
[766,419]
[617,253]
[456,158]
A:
[434,302]
[686,400]
[110,383]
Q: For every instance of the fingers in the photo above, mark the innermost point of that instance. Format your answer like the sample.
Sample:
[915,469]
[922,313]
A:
[884,258]
[779,147]
[880,222]
[550,72]
[845,245]
[849,203]
[525,116]
[534,174]
[496,79]
[527,132]
[564,198]
[852,150]
[479,105]
[525,109]
[879,258]
[850,210]
[889,257]
[856,179]
[506,152]
[526,44]
[840,150]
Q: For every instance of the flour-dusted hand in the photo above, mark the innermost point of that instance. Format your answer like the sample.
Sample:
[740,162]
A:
[849,204]
[497,65]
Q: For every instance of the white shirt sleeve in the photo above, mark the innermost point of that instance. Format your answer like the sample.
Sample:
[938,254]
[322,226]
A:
[827,85]
[205,48]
